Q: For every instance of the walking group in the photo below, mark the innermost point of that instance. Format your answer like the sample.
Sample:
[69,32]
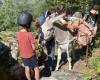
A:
[72,23]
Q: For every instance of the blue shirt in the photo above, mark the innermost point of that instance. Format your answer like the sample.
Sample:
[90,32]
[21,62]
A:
[41,19]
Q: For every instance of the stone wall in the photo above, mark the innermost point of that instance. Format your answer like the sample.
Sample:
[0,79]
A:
[9,39]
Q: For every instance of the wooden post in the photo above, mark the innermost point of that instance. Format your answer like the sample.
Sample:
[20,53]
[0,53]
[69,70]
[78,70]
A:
[86,58]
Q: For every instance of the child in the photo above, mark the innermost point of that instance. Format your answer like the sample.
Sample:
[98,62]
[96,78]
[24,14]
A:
[26,42]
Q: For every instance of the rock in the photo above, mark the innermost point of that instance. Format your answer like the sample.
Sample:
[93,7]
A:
[9,39]
[64,75]
[97,77]
[97,53]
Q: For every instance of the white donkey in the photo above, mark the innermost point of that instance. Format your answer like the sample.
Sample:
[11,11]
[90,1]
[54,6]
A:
[62,36]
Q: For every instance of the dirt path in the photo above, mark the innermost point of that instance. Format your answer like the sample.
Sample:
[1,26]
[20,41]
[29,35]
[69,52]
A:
[80,65]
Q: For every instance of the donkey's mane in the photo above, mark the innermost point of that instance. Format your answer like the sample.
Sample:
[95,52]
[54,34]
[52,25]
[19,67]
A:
[59,25]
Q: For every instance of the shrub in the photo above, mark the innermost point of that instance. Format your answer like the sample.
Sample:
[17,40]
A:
[9,10]
[94,62]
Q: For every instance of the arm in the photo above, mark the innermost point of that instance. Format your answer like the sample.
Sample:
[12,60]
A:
[33,42]
[57,18]
[70,24]
[33,46]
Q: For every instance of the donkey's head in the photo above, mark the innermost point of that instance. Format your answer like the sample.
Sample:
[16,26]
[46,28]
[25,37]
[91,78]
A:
[48,26]
[47,30]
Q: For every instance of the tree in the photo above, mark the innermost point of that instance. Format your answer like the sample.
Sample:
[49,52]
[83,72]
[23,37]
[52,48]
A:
[74,5]
[9,10]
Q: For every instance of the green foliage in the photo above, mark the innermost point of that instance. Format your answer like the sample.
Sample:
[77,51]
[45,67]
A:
[8,14]
[87,77]
[74,5]
[94,62]
[39,51]
[97,40]
[97,43]
[40,7]
[96,2]
[9,10]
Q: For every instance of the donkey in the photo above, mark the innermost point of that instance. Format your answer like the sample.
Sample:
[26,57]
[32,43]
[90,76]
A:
[62,36]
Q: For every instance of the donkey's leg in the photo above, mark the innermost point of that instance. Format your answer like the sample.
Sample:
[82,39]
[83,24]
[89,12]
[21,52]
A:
[72,52]
[69,58]
[58,58]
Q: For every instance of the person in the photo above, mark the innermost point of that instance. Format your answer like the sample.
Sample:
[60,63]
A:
[47,63]
[40,20]
[49,45]
[26,43]
[90,18]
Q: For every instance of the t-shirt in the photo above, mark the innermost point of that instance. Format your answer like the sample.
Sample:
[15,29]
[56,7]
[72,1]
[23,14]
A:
[25,41]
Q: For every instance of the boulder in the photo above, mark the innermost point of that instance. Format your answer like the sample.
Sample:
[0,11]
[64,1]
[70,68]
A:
[65,75]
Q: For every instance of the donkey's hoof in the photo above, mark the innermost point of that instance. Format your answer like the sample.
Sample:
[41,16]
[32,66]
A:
[56,69]
[70,68]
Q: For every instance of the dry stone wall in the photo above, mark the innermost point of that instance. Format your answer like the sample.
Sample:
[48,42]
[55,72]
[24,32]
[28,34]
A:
[9,39]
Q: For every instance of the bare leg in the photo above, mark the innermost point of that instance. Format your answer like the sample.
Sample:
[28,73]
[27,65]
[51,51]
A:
[59,58]
[27,73]
[37,76]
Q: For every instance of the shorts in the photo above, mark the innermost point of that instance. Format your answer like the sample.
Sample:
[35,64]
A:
[31,62]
